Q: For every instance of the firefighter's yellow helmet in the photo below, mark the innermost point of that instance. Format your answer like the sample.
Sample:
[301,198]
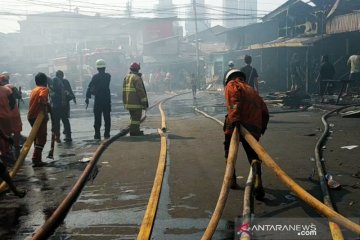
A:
[100,63]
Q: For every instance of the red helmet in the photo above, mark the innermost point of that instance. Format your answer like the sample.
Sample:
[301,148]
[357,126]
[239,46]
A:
[135,66]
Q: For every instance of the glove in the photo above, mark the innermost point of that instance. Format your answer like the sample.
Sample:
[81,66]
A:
[87,101]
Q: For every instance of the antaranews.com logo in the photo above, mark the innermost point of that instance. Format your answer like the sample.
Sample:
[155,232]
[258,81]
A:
[287,228]
[297,229]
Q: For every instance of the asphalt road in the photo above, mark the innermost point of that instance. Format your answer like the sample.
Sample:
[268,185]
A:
[113,204]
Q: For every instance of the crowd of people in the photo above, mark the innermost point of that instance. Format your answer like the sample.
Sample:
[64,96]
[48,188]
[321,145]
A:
[52,97]
[325,79]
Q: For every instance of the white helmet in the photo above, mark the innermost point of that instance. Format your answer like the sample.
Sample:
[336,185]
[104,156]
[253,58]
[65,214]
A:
[100,63]
[232,71]
[6,74]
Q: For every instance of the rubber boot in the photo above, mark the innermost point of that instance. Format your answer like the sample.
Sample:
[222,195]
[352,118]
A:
[234,184]
[258,188]
[68,137]
[37,156]
[107,134]
[97,135]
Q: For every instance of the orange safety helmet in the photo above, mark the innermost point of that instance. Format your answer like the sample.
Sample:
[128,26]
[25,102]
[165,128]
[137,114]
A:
[135,66]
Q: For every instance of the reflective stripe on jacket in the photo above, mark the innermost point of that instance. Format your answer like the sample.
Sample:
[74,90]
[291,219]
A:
[134,93]
[245,106]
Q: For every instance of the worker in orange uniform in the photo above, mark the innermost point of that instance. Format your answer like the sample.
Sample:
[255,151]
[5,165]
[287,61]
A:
[15,118]
[7,104]
[39,102]
[134,98]
[245,107]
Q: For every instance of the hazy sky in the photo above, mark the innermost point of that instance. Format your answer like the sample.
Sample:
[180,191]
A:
[13,10]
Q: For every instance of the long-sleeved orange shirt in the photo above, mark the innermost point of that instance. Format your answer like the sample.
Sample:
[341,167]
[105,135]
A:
[38,99]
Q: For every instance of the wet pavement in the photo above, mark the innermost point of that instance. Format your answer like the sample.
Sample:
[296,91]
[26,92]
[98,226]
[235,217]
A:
[113,204]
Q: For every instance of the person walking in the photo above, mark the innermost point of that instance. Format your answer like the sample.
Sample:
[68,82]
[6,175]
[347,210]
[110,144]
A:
[193,85]
[251,73]
[245,107]
[354,63]
[99,87]
[134,98]
[326,72]
[61,94]
[296,74]
[230,67]
[39,102]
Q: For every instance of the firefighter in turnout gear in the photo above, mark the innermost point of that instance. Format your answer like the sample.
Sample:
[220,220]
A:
[134,98]
[245,107]
[99,87]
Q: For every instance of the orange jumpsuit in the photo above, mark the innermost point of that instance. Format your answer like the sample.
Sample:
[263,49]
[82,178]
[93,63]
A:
[16,124]
[38,102]
[245,107]
[5,121]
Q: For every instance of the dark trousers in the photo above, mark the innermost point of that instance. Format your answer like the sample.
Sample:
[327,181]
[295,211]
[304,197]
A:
[40,138]
[250,153]
[63,115]
[105,112]
[135,117]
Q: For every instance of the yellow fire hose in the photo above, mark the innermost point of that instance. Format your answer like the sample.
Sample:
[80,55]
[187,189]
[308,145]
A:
[294,187]
[320,166]
[149,217]
[247,191]
[248,198]
[233,150]
[25,149]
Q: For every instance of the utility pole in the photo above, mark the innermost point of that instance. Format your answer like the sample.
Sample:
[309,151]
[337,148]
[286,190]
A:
[196,43]
[129,8]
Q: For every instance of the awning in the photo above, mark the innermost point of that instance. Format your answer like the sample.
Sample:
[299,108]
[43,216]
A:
[166,60]
[344,23]
[288,43]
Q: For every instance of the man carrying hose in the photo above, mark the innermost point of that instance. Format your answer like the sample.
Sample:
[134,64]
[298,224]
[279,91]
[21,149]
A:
[245,107]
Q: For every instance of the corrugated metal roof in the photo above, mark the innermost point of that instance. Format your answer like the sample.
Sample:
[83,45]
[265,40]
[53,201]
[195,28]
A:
[343,23]
[212,47]
[288,42]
